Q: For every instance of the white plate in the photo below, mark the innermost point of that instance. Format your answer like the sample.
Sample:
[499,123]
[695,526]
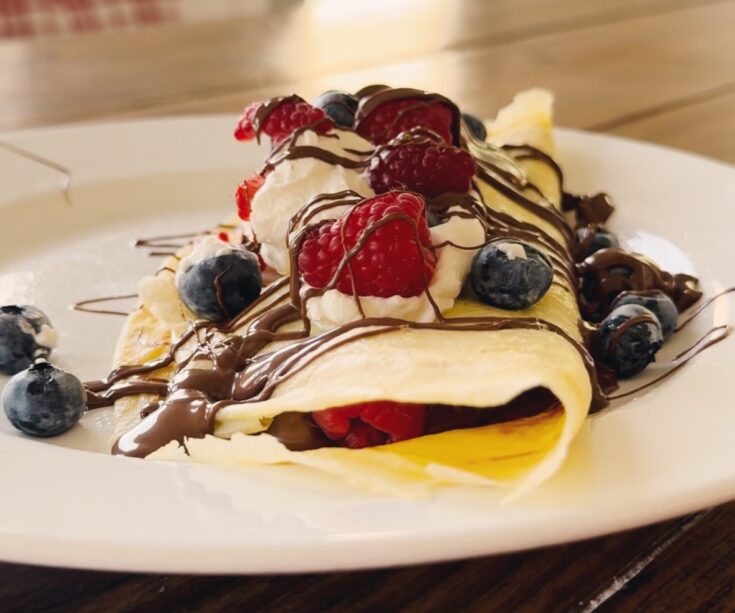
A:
[65,502]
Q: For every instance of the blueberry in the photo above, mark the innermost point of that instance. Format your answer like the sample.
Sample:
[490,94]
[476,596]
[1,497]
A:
[629,338]
[26,335]
[432,219]
[510,274]
[339,107]
[475,126]
[220,286]
[594,238]
[656,301]
[44,400]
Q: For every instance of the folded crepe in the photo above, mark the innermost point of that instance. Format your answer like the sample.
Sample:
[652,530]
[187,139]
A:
[460,363]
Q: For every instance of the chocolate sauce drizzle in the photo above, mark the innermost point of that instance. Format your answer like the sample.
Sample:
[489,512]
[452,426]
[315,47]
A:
[589,208]
[713,336]
[85,306]
[608,272]
[237,371]
[38,159]
[172,243]
[705,305]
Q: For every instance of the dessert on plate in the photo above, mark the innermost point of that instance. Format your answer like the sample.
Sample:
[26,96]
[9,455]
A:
[407,297]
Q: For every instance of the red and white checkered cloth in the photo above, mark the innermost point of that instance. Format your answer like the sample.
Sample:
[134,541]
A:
[28,18]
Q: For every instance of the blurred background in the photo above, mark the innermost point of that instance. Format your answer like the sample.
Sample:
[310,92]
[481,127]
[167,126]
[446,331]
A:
[648,68]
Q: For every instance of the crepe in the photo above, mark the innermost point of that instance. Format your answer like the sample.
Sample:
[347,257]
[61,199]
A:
[456,367]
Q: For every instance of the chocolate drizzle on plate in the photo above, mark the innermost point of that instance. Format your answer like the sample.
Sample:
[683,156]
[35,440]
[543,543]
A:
[43,161]
[711,337]
[220,365]
[87,306]
[170,244]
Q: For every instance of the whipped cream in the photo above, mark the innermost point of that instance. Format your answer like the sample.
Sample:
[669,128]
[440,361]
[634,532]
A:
[209,246]
[334,308]
[512,250]
[292,184]
[45,338]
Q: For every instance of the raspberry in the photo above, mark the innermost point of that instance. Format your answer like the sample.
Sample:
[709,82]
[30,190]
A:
[395,259]
[427,168]
[284,117]
[244,129]
[372,423]
[223,236]
[245,193]
[391,118]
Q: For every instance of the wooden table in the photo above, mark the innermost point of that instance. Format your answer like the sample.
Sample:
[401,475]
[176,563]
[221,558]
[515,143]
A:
[660,70]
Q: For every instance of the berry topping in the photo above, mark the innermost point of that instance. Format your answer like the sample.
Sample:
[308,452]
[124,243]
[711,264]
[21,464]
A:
[592,238]
[245,130]
[218,281]
[509,274]
[391,118]
[629,338]
[655,301]
[26,335]
[281,117]
[475,126]
[372,423]
[424,167]
[44,400]
[339,107]
[393,258]
[245,193]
